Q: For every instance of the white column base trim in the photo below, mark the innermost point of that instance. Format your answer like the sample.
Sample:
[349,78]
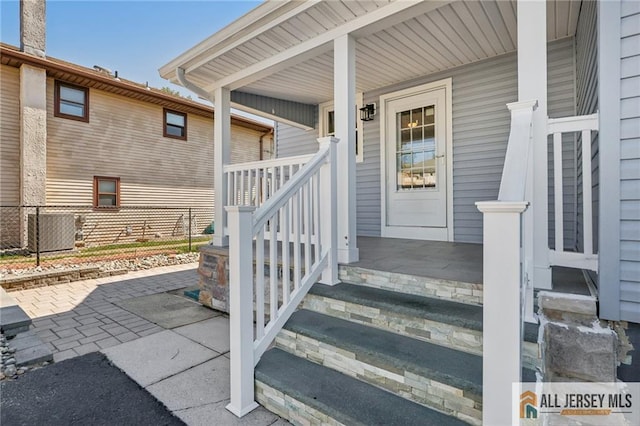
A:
[348,255]
[542,277]
[220,241]
[242,412]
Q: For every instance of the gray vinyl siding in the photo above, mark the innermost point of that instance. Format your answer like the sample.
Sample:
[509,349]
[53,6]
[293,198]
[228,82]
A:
[9,136]
[9,155]
[291,141]
[630,162]
[587,103]
[481,124]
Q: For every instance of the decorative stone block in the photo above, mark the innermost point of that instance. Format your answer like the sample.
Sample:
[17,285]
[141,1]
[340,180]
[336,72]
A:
[576,352]
[214,277]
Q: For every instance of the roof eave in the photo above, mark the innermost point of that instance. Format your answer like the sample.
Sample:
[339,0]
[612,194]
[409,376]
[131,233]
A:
[248,22]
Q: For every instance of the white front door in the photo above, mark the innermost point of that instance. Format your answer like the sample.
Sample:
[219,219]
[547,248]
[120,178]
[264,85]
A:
[416,141]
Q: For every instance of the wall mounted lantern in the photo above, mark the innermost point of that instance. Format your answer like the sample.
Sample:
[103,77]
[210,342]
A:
[367,112]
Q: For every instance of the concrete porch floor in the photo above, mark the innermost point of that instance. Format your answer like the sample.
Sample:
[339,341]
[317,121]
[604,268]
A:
[433,259]
[446,261]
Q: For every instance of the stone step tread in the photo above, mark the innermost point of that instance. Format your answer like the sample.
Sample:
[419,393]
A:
[438,310]
[30,349]
[383,348]
[12,319]
[341,397]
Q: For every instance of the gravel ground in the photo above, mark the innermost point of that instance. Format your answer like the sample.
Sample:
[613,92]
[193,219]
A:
[8,368]
[134,264]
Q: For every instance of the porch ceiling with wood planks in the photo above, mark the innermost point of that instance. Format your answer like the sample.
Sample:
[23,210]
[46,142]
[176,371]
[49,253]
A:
[417,39]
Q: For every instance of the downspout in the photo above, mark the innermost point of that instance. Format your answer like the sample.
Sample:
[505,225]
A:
[189,85]
[268,133]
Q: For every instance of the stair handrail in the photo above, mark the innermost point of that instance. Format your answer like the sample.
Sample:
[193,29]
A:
[295,209]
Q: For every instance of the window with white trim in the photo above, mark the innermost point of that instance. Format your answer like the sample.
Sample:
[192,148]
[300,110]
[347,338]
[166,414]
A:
[326,124]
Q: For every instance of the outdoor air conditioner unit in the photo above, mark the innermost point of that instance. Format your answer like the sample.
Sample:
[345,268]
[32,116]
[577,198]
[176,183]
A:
[57,232]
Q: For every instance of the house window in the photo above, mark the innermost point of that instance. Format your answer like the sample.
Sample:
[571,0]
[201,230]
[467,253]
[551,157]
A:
[175,124]
[106,192]
[71,101]
[327,125]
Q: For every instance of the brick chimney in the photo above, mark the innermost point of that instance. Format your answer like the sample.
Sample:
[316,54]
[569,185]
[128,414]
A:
[33,27]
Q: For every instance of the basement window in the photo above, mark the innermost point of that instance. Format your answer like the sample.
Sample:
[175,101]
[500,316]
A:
[175,124]
[71,101]
[106,192]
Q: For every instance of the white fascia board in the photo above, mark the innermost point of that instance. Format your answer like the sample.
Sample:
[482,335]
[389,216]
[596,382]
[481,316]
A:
[274,22]
[401,10]
[244,23]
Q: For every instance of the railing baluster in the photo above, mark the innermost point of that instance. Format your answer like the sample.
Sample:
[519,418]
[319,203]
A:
[296,240]
[282,181]
[587,206]
[263,195]
[273,181]
[316,215]
[307,227]
[229,188]
[558,191]
[242,178]
[284,232]
[260,284]
[273,267]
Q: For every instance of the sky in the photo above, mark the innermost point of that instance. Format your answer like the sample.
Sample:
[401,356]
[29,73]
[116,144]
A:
[135,38]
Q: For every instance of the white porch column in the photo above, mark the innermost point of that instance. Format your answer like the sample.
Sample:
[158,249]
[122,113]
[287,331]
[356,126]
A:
[344,90]
[221,156]
[532,84]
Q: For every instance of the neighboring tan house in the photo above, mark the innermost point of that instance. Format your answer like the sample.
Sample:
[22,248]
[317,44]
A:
[107,143]
[514,124]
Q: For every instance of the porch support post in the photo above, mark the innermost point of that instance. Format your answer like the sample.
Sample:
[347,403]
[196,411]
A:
[241,361]
[344,90]
[221,156]
[532,84]
[502,314]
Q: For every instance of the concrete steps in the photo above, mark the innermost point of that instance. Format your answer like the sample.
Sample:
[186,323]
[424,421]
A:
[410,337]
[448,289]
[327,397]
[15,324]
[443,322]
[441,378]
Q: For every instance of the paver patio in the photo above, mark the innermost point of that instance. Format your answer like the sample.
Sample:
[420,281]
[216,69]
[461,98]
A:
[80,317]
[186,367]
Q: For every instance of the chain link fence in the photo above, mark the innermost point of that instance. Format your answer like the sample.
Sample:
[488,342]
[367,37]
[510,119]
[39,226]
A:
[43,235]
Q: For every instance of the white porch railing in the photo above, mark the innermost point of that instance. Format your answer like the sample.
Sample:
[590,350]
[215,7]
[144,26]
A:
[294,209]
[253,183]
[584,125]
[505,285]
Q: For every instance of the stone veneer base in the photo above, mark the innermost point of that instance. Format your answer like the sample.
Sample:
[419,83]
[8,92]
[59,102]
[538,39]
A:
[430,393]
[44,279]
[411,284]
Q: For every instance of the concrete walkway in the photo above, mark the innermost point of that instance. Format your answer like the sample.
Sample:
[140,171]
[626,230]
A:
[185,364]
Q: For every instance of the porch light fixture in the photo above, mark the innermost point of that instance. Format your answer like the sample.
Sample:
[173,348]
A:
[367,112]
